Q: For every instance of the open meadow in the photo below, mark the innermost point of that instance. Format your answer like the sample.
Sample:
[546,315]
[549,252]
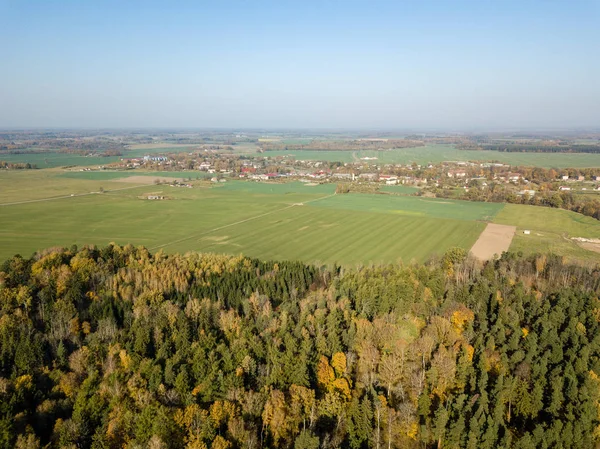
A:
[267,220]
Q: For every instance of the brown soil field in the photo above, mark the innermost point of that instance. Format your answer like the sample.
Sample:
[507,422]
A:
[590,246]
[494,240]
[146,180]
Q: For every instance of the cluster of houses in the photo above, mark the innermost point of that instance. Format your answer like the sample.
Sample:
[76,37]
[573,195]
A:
[261,168]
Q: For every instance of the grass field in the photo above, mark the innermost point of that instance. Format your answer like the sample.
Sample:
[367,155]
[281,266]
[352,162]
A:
[440,153]
[551,230]
[26,185]
[267,220]
[107,175]
[258,219]
[52,159]
[414,206]
[399,189]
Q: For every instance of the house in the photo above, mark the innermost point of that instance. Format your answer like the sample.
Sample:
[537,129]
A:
[564,177]
[526,232]
[513,176]
[155,197]
[391,182]
[457,174]
[580,178]
[204,166]
[564,188]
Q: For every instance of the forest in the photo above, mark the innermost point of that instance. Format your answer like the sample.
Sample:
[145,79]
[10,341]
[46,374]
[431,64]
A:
[115,347]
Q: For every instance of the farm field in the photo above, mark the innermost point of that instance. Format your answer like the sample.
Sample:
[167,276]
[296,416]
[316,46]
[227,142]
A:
[420,155]
[399,189]
[261,220]
[266,220]
[108,175]
[414,206]
[440,153]
[52,159]
[160,146]
[27,185]
[551,230]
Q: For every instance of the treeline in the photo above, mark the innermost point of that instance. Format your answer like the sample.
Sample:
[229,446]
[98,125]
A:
[16,165]
[117,347]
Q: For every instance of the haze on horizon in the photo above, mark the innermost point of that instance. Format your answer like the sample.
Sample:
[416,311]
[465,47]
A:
[351,64]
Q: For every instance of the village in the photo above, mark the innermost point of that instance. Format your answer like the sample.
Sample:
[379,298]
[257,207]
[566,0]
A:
[450,175]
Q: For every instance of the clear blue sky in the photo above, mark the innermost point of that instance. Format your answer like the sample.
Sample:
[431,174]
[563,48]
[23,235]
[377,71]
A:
[366,64]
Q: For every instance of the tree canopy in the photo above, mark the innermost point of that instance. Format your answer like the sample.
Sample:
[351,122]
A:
[117,347]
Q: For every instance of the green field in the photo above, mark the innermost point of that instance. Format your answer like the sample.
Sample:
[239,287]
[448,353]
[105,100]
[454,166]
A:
[551,230]
[142,150]
[52,159]
[258,219]
[108,175]
[440,153]
[266,220]
[414,206]
[399,189]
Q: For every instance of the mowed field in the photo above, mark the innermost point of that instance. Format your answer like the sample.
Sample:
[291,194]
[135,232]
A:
[551,230]
[284,221]
[266,220]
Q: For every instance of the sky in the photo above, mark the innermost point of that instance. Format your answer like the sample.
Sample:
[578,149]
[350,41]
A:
[447,65]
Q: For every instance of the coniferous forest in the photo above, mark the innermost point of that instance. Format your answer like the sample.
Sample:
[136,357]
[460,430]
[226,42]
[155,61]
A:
[115,347]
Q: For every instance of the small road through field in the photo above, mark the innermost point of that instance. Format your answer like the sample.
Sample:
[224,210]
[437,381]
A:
[183,239]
